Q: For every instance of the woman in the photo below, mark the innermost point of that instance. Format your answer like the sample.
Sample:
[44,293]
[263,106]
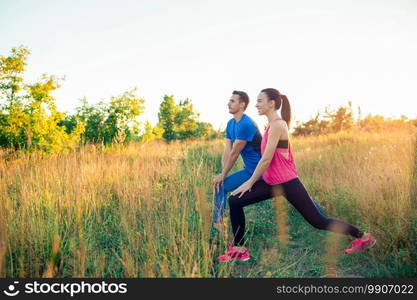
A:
[277,166]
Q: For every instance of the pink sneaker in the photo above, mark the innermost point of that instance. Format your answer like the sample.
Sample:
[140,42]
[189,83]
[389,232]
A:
[359,245]
[234,254]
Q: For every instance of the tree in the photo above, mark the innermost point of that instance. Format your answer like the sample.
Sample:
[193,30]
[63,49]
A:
[181,122]
[29,118]
[186,121]
[11,71]
[113,122]
[341,119]
[151,133]
[167,114]
[121,124]
[331,121]
[12,109]
[93,117]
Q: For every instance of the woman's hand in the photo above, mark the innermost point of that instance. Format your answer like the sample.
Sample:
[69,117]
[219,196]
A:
[246,186]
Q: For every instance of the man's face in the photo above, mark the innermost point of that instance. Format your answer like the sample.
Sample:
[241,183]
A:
[235,105]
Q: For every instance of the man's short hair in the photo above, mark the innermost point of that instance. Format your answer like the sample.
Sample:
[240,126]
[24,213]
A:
[243,97]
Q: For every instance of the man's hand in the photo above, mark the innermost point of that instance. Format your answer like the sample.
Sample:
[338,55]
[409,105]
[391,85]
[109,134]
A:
[218,181]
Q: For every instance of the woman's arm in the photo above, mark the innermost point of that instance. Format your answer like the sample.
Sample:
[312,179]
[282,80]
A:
[275,132]
[274,135]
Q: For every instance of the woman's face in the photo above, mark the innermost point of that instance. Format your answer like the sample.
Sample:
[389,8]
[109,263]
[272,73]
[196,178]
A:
[263,104]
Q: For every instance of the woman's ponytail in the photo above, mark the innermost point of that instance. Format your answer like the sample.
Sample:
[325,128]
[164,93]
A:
[286,110]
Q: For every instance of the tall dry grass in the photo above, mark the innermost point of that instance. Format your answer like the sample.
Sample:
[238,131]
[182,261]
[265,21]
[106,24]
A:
[123,211]
[369,176]
[144,210]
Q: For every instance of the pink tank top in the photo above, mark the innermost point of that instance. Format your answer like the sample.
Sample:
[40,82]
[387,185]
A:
[281,169]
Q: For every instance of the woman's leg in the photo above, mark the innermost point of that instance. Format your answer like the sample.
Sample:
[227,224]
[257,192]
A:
[259,192]
[297,195]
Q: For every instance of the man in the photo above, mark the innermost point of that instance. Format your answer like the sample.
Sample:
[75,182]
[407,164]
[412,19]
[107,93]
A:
[242,138]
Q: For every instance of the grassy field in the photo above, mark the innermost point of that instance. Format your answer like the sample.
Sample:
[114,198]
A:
[145,210]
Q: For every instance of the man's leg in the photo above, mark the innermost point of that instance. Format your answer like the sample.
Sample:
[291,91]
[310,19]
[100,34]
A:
[231,182]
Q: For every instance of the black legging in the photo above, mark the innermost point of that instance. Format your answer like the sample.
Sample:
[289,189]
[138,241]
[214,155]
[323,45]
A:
[297,195]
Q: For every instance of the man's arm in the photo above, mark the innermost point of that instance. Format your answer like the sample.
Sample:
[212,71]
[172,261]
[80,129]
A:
[237,147]
[226,152]
[229,157]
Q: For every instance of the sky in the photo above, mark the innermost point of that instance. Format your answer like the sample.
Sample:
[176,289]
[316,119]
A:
[318,53]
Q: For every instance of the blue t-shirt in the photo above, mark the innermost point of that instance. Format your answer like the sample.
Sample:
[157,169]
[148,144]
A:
[246,130]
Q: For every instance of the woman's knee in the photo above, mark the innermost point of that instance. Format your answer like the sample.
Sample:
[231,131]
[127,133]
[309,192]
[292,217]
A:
[233,201]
